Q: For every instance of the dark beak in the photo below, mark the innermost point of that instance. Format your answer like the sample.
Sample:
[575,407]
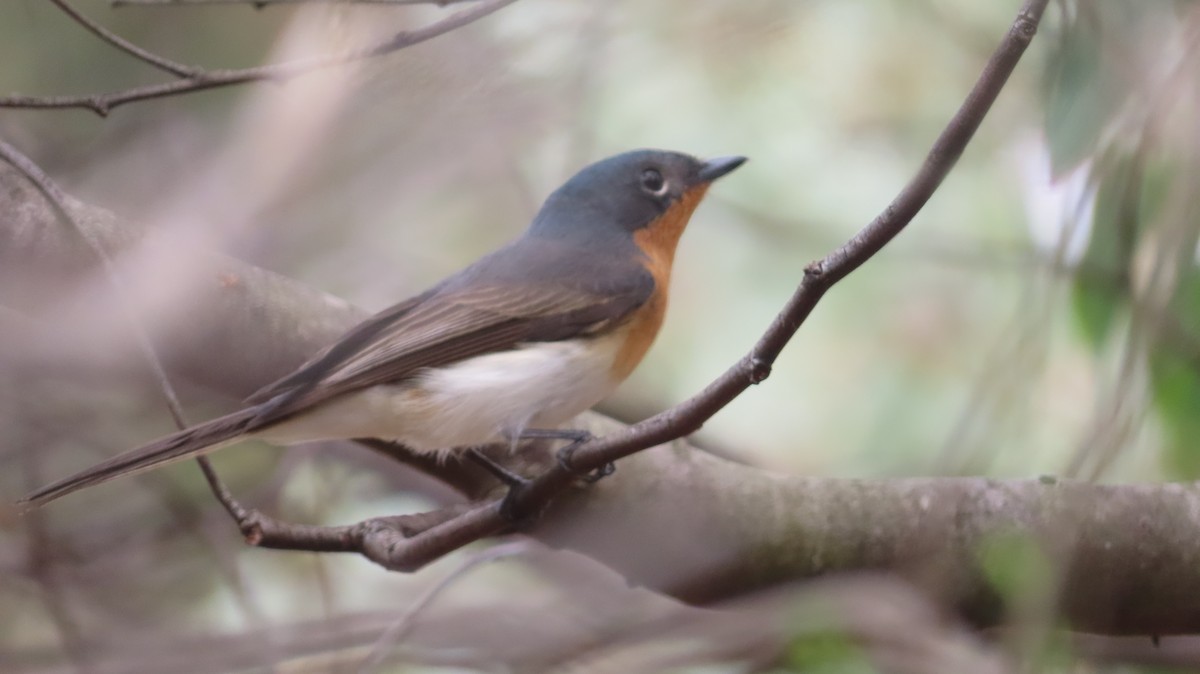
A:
[715,168]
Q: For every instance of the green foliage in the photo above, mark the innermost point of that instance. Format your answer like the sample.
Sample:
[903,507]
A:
[1175,380]
[1136,172]
[1133,188]
[826,652]
[1100,288]
[1014,566]
[1081,95]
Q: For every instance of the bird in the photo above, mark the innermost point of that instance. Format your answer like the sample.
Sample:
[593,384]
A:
[509,348]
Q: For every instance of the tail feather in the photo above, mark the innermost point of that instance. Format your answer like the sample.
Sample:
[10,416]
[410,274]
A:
[201,439]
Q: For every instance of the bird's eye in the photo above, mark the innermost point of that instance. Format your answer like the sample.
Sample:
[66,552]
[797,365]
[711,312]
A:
[652,182]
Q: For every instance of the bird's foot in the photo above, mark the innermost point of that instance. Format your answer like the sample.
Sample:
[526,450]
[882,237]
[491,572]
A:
[590,477]
[510,506]
[517,484]
[577,438]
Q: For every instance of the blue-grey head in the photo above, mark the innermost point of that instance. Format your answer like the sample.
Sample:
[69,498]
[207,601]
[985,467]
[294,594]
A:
[629,193]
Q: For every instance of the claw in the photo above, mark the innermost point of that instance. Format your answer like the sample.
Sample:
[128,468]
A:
[509,509]
[577,438]
[564,462]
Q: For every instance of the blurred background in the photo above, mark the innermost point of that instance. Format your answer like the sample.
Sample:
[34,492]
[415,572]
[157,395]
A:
[1038,316]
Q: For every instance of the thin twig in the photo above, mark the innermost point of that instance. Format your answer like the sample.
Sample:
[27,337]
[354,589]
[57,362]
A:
[402,549]
[58,202]
[265,3]
[249,521]
[404,624]
[43,568]
[126,46]
[182,513]
[103,103]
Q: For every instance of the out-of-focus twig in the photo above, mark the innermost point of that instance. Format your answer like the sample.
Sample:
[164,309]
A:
[103,103]
[880,620]
[1154,325]
[58,202]
[249,521]
[404,624]
[42,567]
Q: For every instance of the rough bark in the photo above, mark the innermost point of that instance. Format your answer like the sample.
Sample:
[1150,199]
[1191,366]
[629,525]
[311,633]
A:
[675,519]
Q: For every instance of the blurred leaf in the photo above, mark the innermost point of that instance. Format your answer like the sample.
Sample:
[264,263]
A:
[1015,566]
[1082,94]
[1175,354]
[1175,381]
[1157,180]
[1100,285]
[1095,307]
[1176,389]
[826,652]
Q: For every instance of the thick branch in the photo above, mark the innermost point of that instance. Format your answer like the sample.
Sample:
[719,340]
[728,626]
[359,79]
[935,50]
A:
[630,632]
[1129,554]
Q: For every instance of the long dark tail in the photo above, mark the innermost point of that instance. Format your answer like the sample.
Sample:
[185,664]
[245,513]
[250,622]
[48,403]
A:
[194,441]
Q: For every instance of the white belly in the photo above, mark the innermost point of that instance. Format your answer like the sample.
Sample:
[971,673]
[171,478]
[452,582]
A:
[474,402]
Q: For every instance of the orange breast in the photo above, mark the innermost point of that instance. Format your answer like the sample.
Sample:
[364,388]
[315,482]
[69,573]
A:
[657,242]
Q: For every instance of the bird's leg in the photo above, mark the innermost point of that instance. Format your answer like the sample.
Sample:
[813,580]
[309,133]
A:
[504,475]
[577,437]
[516,484]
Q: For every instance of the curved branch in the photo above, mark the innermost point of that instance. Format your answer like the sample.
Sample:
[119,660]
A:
[126,46]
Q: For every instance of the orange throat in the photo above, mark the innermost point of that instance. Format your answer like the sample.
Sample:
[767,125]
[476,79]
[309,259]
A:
[657,241]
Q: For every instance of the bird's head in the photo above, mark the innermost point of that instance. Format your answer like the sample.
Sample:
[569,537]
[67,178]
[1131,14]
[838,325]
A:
[638,195]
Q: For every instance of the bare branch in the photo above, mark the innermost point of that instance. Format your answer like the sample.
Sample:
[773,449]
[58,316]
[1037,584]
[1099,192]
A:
[103,103]
[895,627]
[898,630]
[58,201]
[126,46]
[397,631]
[264,3]
[42,567]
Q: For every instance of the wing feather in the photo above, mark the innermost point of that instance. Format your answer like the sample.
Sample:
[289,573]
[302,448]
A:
[451,323]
